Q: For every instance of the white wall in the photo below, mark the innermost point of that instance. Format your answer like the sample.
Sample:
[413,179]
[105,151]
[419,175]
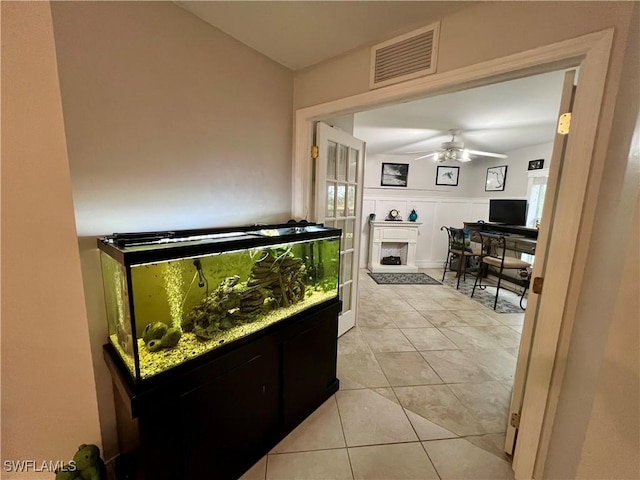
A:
[517,173]
[441,205]
[433,213]
[421,179]
[48,390]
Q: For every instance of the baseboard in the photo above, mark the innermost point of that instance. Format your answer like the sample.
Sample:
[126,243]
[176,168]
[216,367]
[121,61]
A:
[430,264]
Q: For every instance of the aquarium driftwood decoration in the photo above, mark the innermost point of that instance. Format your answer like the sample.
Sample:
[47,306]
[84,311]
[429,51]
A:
[276,280]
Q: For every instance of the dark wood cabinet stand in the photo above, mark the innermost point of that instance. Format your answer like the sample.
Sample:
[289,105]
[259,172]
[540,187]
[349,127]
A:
[217,415]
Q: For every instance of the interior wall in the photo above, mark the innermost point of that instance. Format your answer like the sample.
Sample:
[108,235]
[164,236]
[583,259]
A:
[170,123]
[48,390]
[421,179]
[441,205]
[343,122]
[506,28]
[517,174]
[433,213]
[618,384]
[472,175]
[599,393]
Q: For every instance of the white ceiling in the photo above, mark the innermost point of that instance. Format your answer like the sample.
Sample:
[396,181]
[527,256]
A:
[496,118]
[297,34]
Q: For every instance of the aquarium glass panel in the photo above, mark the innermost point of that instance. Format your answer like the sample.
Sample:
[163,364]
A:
[331,200]
[340,200]
[189,306]
[116,296]
[353,164]
[343,154]
[331,160]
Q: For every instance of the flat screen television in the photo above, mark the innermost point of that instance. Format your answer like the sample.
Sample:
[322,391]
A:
[508,212]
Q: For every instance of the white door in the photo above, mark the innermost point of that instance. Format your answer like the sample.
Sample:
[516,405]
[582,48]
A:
[338,203]
[539,266]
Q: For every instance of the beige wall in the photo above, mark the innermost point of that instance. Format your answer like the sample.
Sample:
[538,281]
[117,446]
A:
[170,123]
[599,398]
[504,28]
[497,29]
[617,386]
[48,390]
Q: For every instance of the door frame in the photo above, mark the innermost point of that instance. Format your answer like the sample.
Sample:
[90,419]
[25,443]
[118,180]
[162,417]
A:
[573,222]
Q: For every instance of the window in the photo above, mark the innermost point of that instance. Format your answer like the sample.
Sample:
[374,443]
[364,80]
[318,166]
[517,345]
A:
[536,189]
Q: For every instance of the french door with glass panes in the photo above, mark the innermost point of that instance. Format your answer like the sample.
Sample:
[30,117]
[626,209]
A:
[338,203]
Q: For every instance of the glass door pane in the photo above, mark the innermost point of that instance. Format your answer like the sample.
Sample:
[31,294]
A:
[353,164]
[340,201]
[331,160]
[343,153]
[331,202]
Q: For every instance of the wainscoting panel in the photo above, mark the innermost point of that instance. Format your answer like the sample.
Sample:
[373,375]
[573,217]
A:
[433,213]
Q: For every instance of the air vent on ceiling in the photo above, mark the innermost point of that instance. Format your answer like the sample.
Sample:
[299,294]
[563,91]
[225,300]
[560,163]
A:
[402,58]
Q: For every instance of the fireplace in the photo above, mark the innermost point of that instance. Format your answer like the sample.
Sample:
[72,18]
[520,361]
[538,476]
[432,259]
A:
[389,241]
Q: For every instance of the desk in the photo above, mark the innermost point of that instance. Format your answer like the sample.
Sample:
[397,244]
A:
[517,239]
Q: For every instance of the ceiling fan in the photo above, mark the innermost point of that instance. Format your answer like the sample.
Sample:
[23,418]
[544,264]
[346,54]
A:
[454,150]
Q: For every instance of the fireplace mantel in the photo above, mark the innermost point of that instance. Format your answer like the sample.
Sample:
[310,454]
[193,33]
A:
[390,238]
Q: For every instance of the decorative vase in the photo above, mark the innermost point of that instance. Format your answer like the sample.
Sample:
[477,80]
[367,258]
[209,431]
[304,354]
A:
[413,216]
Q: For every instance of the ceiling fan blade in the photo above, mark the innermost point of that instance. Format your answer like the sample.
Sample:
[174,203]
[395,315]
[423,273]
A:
[426,156]
[486,154]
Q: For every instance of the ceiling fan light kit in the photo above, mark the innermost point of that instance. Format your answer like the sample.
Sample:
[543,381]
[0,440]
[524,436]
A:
[459,155]
[453,150]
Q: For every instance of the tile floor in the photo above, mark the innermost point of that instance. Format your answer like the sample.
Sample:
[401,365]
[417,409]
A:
[425,381]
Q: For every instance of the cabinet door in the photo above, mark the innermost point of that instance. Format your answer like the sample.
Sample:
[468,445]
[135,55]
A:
[309,367]
[227,422]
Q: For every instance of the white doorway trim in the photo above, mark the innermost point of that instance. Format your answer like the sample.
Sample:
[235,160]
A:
[573,222]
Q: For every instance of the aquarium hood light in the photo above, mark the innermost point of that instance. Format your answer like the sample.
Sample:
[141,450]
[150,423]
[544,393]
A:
[160,240]
[269,233]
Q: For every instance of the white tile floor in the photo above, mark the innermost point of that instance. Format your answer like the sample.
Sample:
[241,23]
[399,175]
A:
[425,381]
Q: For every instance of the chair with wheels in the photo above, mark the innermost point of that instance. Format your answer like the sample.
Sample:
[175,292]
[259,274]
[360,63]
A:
[494,261]
[459,249]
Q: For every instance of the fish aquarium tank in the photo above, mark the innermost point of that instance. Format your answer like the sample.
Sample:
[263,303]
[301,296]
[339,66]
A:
[176,295]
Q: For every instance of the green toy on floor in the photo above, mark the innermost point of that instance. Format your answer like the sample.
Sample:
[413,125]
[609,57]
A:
[86,465]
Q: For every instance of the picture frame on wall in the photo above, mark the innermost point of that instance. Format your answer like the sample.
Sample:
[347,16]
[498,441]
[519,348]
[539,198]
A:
[496,179]
[536,164]
[447,176]
[394,174]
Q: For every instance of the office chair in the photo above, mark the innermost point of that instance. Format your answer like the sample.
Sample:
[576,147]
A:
[493,261]
[460,248]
